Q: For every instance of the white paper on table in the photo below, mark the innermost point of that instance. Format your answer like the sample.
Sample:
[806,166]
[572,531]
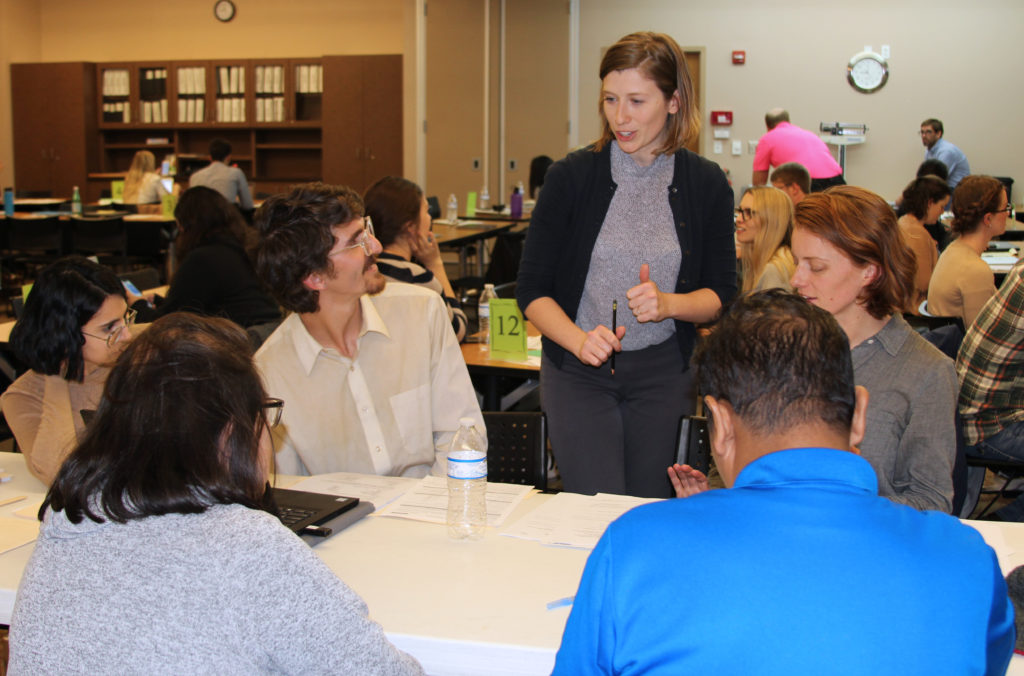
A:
[573,520]
[29,511]
[993,534]
[428,501]
[377,490]
[16,532]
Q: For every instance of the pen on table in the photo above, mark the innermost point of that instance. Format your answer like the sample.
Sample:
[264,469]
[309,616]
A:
[615,312]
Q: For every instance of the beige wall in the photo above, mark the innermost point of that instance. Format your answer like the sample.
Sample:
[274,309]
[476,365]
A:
[957,62]
[19,41]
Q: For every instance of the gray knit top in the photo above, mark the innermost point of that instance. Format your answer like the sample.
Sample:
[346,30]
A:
[228,591]
[637,229]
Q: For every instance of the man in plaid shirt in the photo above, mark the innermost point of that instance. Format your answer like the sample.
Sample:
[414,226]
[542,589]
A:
[990,368]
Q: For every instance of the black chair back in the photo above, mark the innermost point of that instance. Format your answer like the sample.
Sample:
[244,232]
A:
[517,448]
[35,235]
[693,447]
[92,236]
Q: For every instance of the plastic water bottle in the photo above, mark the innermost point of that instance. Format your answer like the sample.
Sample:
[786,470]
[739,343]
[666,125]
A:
[483,310]
[485,199]
[76,202]
[452,213]
[467,483]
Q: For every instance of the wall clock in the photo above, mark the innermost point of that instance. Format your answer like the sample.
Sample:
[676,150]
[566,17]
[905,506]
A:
[867,72]
[224,10]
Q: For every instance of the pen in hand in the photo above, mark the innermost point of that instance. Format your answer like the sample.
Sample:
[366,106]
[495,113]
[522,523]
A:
[615,312]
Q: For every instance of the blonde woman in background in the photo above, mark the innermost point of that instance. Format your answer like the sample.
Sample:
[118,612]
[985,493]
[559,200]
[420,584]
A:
[764,221]
[142,184]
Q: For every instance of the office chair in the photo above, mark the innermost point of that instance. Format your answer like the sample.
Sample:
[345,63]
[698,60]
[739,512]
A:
[517,448]
[95,236]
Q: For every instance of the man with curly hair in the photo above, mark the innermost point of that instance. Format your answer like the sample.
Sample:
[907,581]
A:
[372,374]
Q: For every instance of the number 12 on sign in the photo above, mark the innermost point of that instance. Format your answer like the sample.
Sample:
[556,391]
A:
[508,330]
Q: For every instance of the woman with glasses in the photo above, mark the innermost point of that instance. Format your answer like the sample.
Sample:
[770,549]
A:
[215,276]
[157,527]
[401,219]
[851,260]
[962,282]
[922,202]
[763,223]
[75,323]
[630,247]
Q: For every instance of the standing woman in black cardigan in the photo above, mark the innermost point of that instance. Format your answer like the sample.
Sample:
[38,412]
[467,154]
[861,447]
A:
[215,276]
[637,220]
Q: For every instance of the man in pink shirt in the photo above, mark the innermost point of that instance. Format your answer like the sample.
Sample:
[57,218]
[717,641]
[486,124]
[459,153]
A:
[785,142]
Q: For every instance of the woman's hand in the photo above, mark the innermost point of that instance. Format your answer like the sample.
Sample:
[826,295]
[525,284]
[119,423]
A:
[599,343]
[645,300]
[686,480]
[426,250]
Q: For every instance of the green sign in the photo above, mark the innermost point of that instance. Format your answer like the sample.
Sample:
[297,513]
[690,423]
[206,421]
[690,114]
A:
[167,204]
[117,192]
[508,330]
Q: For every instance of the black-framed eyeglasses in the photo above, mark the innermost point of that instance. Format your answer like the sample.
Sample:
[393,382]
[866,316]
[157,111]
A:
[272,410]
[744,214]
[364,238]
[111,337]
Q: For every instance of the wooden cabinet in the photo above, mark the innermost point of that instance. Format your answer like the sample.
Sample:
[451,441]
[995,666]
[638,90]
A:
[336,118]
[362,119]
[53,108]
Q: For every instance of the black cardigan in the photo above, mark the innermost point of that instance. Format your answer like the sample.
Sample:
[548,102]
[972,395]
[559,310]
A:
[571,210]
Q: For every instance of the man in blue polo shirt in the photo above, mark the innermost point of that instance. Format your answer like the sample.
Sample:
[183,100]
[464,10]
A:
[799,567]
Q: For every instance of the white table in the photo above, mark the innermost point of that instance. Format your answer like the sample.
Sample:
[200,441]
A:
[473,608]
[462,608]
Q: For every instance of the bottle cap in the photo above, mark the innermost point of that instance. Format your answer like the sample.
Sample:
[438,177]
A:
[466,421]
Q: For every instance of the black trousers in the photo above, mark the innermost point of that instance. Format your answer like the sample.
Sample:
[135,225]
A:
[617,434]
[819,184]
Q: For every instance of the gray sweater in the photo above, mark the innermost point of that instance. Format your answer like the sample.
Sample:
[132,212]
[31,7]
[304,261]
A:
[910,438]
[229,591]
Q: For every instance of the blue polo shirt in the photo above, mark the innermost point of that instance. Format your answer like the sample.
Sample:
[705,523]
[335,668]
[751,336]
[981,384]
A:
[800,568]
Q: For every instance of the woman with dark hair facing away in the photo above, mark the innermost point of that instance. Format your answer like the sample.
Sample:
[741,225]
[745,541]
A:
[155,527]
[638,223]
[852,261]
[401,220]
[763,223]
[962,282]
[75,323]
[924,199]
[215,276]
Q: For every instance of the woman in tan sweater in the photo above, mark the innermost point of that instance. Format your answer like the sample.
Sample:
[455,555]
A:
[75,323]
[923,199]
[962,282]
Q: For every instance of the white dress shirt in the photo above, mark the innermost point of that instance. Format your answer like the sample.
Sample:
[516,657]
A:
[392,410]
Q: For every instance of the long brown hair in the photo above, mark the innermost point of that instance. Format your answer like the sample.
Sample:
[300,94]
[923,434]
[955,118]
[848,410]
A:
[659,58]
[775,210]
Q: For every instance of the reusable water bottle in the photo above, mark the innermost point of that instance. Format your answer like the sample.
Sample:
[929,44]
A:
[467,483]
[516,204]
[9,202]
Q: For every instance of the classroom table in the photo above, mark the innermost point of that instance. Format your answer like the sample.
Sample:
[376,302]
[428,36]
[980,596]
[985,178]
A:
[489,370]
[468,232]
[462,608]
[31,204]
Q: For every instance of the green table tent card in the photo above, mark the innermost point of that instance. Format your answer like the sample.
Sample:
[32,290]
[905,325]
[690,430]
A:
[167,205]
[117,192]
[508,330]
